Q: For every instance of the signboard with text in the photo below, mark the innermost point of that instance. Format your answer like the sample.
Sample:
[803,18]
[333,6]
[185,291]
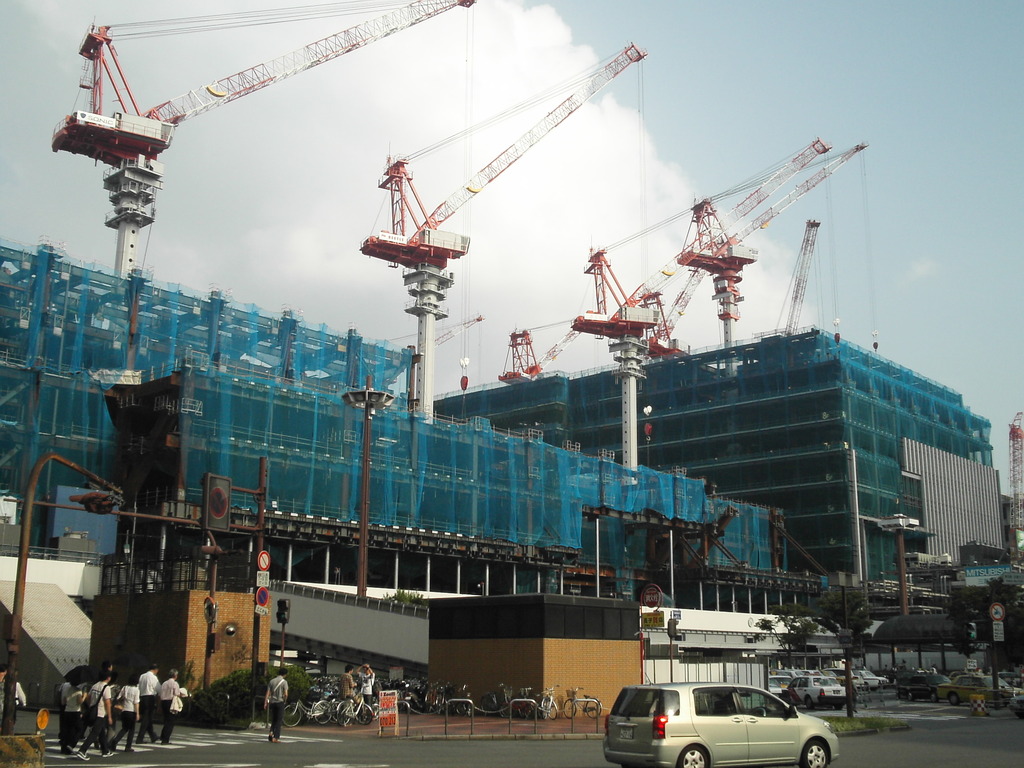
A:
[980,575]
[652,620]
[387,715]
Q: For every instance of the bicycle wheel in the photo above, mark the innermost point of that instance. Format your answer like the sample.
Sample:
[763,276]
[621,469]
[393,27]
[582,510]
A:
[321,712]
[548,708]
[346,712]
[364,715]
[592,708]
[489,703]
[569,708]
[293,714]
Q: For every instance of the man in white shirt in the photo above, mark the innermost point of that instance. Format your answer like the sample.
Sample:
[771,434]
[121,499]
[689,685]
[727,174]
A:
[149,687]
[169,691]
[99,697]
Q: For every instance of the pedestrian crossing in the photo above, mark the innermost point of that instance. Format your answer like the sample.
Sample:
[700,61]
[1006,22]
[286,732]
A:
[182,739]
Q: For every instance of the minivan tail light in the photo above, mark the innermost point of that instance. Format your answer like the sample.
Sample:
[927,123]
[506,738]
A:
[658,726]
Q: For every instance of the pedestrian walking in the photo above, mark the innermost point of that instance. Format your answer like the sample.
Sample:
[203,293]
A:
[170,704]
[99,717]
[276,698]
[71,697]
[128,698]
[149,689]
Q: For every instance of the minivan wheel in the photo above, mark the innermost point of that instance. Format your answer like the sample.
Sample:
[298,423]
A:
[693,756]
[815,755]
[808,702]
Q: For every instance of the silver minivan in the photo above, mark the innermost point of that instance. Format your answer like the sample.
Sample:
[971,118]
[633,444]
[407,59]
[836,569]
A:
[705,725]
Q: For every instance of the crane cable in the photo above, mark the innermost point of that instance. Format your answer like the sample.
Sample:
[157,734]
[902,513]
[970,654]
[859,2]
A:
[185,25]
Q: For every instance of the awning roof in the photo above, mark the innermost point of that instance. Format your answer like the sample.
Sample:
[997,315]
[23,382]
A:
[916,628]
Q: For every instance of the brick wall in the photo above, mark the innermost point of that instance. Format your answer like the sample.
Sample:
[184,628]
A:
[170,628]
[599,667]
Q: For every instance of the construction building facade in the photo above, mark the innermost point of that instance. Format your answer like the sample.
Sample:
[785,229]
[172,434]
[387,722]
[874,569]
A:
[153,386]
[838,437]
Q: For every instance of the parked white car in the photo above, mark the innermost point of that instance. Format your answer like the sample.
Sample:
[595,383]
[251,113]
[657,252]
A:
[873,681]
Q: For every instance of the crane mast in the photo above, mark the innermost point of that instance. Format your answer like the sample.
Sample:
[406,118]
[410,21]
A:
[803,265]
[416,244]
[1017,487]
[131,140]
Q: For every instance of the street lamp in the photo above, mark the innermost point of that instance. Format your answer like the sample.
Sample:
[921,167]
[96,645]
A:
[844,580]
[899,524]
[369,400]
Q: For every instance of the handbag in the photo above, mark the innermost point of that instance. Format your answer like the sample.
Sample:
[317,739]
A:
[176,705]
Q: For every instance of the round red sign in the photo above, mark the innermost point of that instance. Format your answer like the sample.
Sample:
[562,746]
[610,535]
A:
[263,596]
[263,560]
[651,596]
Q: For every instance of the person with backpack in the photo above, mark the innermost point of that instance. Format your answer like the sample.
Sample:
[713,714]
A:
[128,700]
[97,715]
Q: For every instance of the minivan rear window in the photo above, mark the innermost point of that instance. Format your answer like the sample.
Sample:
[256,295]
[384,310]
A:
[646,702]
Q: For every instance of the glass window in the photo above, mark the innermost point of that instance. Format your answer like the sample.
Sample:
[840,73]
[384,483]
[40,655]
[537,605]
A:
[716,702]
[761,704]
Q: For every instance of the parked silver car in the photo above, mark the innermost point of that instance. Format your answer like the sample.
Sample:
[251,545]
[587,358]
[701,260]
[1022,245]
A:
[700,725]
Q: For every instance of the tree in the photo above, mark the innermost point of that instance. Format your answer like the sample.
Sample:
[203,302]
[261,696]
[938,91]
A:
[794,624]
[971,605]
[831,616]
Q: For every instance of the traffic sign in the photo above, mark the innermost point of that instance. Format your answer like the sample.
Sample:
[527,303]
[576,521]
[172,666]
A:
[263,597]
[262,610]
[996,611]
[263,560]
[262,578]
[652,596]
[998,631]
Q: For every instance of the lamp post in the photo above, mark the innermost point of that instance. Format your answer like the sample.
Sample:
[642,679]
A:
[845,580]
[369,400]
[899,524]
[93,502]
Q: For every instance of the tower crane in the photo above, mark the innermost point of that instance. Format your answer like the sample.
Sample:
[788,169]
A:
[1017,486]
[131,140]
[721,253]
[803,264]
[416,244]
[524,363]
[641,326]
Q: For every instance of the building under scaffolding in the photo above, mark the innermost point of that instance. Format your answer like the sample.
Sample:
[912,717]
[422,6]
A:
[833,434]
[153,386]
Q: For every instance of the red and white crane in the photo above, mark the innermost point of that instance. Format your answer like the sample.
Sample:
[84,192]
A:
[719,251]
[641,326]
[803,265]
[522,363]
[416,244]
[131,140]
[1017,487]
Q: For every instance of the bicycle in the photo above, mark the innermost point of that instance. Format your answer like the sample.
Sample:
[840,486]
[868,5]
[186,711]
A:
[495,703]
[575,703]
[356,709]
[297,712]
[547,707]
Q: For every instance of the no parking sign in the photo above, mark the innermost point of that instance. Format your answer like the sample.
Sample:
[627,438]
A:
[263,601]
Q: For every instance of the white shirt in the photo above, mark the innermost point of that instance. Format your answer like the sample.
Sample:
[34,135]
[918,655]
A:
[149,684]
[130,698]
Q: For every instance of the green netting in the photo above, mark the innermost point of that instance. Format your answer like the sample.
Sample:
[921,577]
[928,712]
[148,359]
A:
[772,421]
[251,384]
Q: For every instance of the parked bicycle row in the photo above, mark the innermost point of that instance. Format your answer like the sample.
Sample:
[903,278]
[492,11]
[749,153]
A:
[328,703]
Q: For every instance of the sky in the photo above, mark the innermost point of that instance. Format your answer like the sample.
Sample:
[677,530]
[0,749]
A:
[269,197]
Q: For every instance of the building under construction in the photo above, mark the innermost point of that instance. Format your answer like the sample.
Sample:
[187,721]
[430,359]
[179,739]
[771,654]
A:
[153,386]
[841,439]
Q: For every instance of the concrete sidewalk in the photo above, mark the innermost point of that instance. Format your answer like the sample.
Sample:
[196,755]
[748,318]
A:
[427,727]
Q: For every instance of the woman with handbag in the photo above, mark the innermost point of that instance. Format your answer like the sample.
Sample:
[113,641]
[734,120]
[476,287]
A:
[128,700]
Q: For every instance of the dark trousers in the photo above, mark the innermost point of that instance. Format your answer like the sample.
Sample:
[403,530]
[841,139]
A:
[276,718]
[169,718]
[97,736]
[147,706]
[127,727]
[70,730]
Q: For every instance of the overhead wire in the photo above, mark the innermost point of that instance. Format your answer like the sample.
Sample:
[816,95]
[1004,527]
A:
[184,25]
